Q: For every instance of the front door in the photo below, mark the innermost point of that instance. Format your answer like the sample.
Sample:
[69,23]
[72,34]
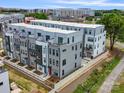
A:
[50,70]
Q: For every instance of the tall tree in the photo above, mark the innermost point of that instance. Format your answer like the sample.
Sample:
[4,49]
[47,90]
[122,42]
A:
[113,25]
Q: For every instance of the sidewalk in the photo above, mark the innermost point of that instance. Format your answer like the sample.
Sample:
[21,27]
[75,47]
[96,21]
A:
[109,82]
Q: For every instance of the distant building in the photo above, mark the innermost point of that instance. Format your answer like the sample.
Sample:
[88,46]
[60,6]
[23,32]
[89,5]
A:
[45,11]
[4,80]
[64,13]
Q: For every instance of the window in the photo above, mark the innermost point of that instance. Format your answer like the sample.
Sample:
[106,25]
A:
[60,40]
[75,47]
[98,38]
[90,39]
[64,62]
[75,56]
[62,72]
[103,43]
[1,83]
[73,39]
[10,28]
[57,54]
[50,50]
[57,63]
[53,51]
[23,30]
[90,32]
[95,39]
[68,41]
[29,33]
[72,47]
[50,60]
[75,65]
[47,37]
[98,46]
[14,29]
[64,50]
[39,34]
[81,45]
[53,61]
[80,54]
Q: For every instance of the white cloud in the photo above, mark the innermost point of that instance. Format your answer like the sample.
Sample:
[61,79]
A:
[89,2]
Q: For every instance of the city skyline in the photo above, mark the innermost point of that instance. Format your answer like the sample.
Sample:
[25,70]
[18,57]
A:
[94,4]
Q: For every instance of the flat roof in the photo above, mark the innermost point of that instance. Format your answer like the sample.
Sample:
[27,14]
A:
[69,23]
[56,30]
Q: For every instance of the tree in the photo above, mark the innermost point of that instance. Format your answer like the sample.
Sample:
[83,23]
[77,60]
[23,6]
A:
[113,25]
[37,15]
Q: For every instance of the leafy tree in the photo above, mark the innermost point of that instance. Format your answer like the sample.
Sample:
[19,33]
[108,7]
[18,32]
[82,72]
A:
[113,25]
[37,15]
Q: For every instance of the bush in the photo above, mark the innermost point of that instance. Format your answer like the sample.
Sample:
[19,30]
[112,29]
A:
[7,58]
[21,64]
[29,67]
[14,60]
[37,72]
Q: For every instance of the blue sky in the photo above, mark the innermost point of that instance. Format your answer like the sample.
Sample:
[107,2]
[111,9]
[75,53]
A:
[95,4]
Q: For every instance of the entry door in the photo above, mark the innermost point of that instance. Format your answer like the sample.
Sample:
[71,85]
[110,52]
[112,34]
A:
[50,70]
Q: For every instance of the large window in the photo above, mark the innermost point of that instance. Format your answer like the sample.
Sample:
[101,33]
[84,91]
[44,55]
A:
[1,83]
[62,72]
[53,51]
[60,40]
[90,39]
[64,62]
[57,54]
[68,41]
[47,37]
[39,34]
[73,39]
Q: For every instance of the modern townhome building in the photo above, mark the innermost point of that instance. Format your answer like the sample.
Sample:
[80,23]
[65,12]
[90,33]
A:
[93,35]
[52,51]
[4,80]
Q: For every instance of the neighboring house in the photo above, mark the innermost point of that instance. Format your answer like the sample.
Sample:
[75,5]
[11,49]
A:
[55,48]
[6,19]
[4,80]
[10,18]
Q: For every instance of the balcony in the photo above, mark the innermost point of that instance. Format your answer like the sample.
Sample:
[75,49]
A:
[88,49]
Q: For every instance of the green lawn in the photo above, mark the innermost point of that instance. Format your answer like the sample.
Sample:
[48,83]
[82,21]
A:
[25,84]
[119,85]
[95,80]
